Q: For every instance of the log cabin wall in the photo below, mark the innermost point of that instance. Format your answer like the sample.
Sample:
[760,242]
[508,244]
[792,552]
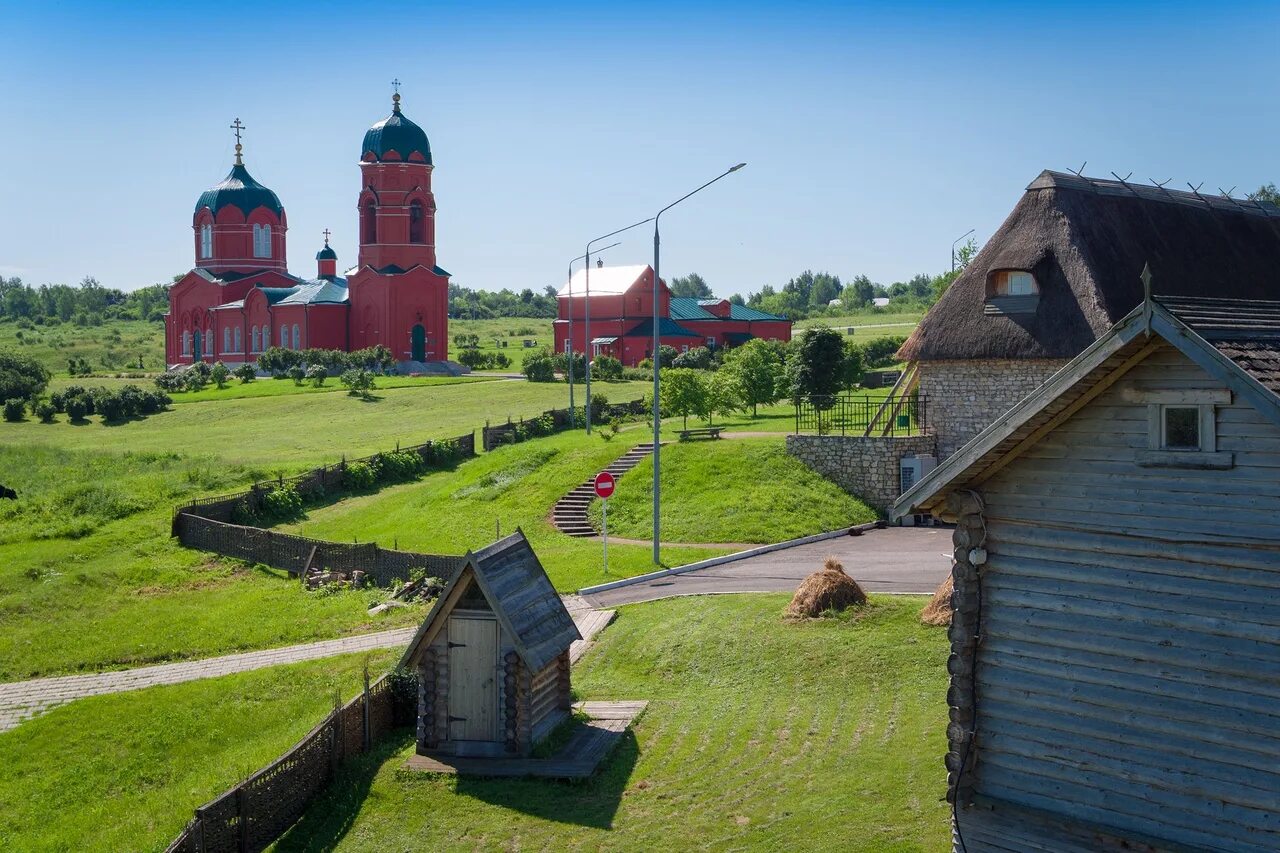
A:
[546,703]
[1128,674]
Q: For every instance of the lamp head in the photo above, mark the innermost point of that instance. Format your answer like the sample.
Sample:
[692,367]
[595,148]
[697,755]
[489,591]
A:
[737,167]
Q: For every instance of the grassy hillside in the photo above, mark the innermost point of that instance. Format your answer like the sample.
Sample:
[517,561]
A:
[299,430]
[515,486]
[111,347]
[126,771]
[740,490]
[512,331]
[760,735]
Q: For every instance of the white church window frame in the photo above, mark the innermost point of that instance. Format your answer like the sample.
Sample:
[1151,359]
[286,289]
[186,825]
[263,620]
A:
[206,241]
[297,337]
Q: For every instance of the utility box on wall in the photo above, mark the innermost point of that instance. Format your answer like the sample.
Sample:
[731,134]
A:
[912,469]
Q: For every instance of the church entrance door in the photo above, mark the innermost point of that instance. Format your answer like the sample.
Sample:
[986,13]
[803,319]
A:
[418,343]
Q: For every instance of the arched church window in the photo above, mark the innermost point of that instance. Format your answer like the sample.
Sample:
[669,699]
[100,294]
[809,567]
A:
[239,343]
[266,336]
[417,223]
[206,240]
[186,343]
[262,241]
[226,339]
[297,337]
[208,339]
[284,336]
[368,223]
[256,340]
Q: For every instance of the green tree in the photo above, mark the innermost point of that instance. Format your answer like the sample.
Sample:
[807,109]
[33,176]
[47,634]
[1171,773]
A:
[722,395]
[540,366]
[690,285]
[1266,192]
[219,374]
[816,365]
[21,377]
[757,367]
[858,293]
[683,392]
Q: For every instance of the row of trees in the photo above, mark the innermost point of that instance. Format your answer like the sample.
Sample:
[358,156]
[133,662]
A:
[86,303]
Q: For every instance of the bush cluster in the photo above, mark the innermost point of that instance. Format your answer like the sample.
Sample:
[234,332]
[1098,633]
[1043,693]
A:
[15,410]
[192,378]
[478,360]
[397,466]
[277,360]
[535,427]
[358,382]
[282,503]
[606,368]
[540,366]
[129,402]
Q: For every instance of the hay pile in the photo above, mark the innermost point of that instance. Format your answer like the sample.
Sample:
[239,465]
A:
[938,610]
[829,589]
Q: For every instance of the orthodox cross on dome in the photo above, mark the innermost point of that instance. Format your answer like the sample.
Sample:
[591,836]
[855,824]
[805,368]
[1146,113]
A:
[326,236]
[238,126]
[395,97]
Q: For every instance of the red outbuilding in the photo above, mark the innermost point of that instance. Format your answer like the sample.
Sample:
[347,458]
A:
[240,298]
[620,300]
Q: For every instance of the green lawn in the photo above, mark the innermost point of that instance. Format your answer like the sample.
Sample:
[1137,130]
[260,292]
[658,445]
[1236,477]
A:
[235,390]
[126,771]
[514,486]
[512,331]
[90,580]
[739,490]
[760,735]
[301,430]
[112,347]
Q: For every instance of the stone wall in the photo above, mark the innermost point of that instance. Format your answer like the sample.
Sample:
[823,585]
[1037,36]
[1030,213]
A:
[966,396]
[865,466]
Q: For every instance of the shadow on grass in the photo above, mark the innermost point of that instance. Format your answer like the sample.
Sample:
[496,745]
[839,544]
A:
[591,803]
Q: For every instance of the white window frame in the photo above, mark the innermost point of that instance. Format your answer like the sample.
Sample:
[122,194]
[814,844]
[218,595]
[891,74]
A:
[297,337]
[284,335]
[255,341]
[262,241]
[239,343]
[226,339]
[186,343]
[206,240]
[684,348]
[1159,402]
[1021,283]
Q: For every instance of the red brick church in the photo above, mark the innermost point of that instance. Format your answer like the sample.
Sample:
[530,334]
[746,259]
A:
[240,298]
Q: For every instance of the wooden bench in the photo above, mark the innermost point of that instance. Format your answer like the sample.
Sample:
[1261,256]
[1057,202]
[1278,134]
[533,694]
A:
[710,432]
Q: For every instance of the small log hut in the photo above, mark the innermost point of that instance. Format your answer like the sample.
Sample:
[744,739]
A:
[492,657]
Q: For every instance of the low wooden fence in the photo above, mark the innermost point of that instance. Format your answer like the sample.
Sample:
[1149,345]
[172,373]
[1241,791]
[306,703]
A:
[296,554]
[561,419]
[313,483]
[250,816]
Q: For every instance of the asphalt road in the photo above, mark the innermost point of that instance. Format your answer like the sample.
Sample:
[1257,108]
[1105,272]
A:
[892,559]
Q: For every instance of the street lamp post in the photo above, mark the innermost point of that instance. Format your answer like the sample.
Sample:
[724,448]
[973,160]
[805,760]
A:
[573,418]
[657,420]
[586,310]
[953,247]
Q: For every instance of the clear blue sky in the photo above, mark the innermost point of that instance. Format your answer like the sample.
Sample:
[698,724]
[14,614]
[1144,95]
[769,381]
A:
[874,135]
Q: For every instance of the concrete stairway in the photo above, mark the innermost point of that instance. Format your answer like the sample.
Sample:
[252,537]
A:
[570,512]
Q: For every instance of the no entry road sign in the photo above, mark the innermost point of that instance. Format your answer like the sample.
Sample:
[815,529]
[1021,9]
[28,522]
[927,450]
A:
[604,485]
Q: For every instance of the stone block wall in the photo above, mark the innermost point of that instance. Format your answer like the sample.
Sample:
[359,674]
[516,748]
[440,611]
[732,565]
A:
[864,466]
[966,396]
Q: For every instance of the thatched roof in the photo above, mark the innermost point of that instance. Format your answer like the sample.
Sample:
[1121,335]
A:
[1086,241]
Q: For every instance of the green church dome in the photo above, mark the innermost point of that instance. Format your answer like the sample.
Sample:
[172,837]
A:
[396,133]
[241,190]
[326,254]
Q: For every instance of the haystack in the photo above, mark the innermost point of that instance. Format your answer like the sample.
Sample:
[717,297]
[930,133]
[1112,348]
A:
[828,589]
[938,610]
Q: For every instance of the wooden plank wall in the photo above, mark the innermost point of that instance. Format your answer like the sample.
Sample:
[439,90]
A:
[1130,666]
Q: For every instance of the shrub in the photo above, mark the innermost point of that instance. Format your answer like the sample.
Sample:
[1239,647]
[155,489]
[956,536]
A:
[171,382]
[196,376]
[698,358]
[377,358]
[540,367]
[245,373]
[477,360]
[579,365]
[606,368]
[14,409]
[282,503]
[77,408]
[881,352]
[360,476]
[358,382]
[599,403]
[278,360]
[110,406]
[637,373]
[219,374]
[21,377]
[78,366]
[45,412]
[442,453]
[297,373]
[666,356]
[400,465]
[317,374]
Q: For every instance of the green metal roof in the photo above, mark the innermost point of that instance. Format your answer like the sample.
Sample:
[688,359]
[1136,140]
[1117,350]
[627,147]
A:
[667,328]
[687,308]
[396,133]
[742,312]
[239,188]
[326,254]
[275,294]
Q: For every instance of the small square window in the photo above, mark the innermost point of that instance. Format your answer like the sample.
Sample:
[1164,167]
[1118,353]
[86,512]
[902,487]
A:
[1182,427]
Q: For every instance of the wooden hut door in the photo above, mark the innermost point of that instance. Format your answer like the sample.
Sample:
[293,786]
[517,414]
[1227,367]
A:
[473,679]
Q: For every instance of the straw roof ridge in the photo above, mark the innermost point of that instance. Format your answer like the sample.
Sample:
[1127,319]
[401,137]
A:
[1086,240]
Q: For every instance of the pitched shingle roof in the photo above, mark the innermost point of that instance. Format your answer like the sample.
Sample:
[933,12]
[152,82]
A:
[517,587]
[1247,331]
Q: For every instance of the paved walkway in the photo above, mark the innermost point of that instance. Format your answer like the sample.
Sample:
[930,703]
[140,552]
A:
[20,700]
[893,559]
